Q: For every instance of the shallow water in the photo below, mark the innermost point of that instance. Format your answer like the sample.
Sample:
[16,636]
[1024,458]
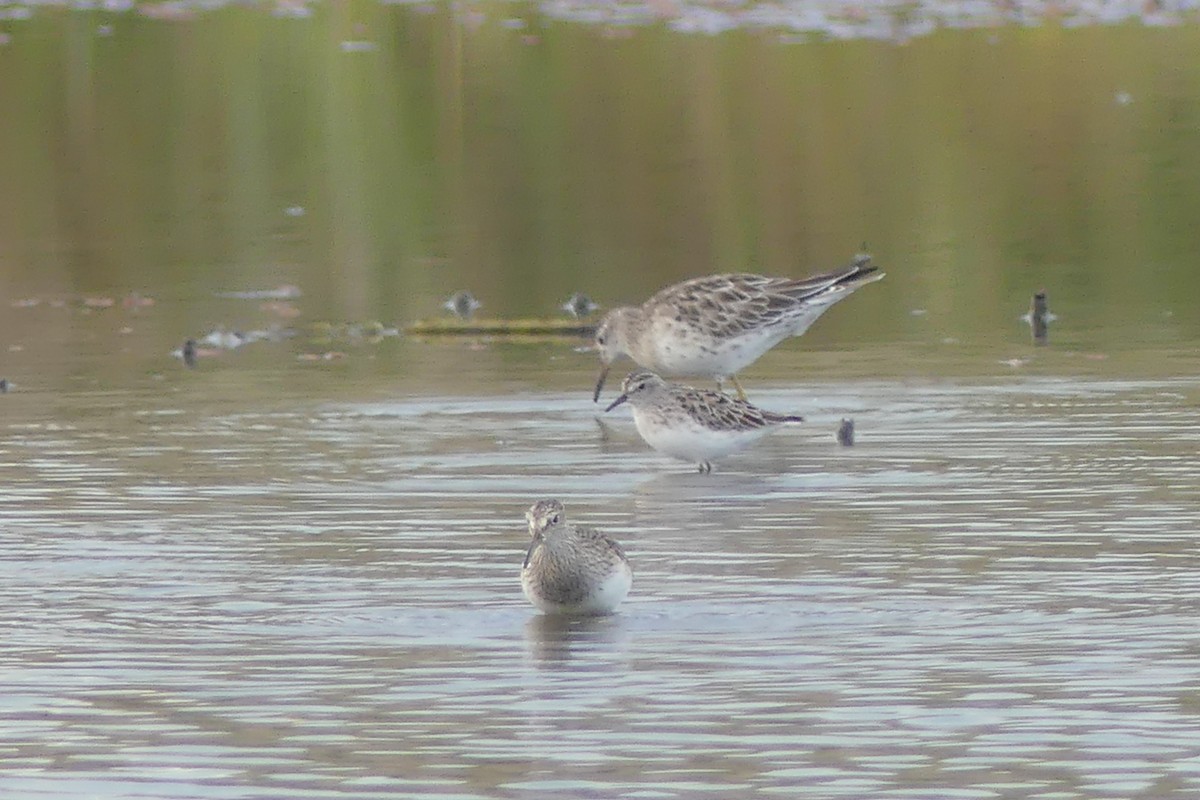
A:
[993,594]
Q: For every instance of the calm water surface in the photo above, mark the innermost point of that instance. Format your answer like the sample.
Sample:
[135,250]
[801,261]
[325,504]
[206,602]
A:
[212,591]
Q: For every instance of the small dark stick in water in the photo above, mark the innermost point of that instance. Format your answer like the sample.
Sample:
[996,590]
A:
[189,353]
[3,385]
[1039,317]
[845,432]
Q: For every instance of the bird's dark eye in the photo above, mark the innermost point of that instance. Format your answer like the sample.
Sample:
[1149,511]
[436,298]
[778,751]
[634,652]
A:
[601,339]
[554,519]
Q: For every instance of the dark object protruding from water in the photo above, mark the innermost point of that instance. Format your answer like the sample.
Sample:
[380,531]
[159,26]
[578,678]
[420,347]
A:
[845,432]
[3,385]
[1039,317]
[462,304]
[189,353]
[579,305]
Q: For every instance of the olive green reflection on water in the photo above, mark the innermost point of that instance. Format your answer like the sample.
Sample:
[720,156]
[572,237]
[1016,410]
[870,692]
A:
[421,155]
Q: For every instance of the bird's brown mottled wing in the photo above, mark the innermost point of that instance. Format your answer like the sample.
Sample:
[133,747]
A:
[721,305]
[718,411]
[724,306]
[587,532]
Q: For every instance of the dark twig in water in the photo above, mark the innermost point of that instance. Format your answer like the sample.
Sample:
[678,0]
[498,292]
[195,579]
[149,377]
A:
[845,432]
[1039,318]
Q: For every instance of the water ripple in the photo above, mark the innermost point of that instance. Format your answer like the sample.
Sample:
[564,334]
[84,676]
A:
[993,594]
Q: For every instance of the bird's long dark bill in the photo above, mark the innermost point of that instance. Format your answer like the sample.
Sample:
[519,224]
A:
[616,403]
[600,383]
[529,553]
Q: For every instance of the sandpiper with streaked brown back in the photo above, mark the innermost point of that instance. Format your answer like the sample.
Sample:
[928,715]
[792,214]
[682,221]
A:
[716,326]
[696,425]
[572,569]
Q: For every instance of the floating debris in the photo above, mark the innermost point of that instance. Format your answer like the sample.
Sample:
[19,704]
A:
[371,331]
[845,432]
[222,339]
[3,385]
[284,291]
[499,327]
[579,305]
[462,304]
[294,211]
[189,353]
[225,340]
[1039,317]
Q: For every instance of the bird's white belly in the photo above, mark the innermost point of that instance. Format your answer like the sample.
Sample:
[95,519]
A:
[690,441]
[609,594]
[679,350]
[603,598]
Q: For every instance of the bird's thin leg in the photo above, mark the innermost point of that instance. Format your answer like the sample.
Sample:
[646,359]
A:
[741,392]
